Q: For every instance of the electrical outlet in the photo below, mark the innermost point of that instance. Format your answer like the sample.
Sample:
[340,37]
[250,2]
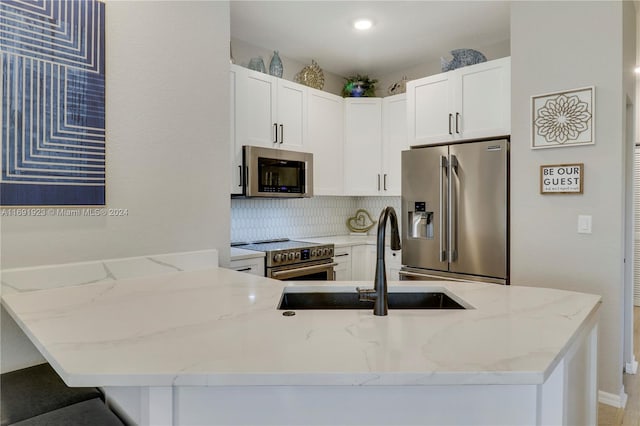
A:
[584,224]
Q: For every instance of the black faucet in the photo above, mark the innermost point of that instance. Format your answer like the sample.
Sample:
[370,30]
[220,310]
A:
[378,294]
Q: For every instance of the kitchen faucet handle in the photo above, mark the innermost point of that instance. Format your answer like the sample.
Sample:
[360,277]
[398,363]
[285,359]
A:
[366,294]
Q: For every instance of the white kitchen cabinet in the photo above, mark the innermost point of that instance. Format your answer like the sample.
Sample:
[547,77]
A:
[325,137]
[364,258]
[292,115]
[270,111]
[235,151]
[363,146]
[266,111]
[393,261]
[363,262]
[394,141]
[254,266]
[467,103]
[375,135]
[342,256]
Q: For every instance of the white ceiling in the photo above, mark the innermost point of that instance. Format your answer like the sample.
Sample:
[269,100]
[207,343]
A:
[405,33]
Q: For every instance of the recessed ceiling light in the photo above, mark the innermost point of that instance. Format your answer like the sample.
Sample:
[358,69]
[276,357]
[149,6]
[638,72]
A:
[362,24]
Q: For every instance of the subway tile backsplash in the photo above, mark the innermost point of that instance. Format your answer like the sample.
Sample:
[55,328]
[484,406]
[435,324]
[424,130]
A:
[261,219]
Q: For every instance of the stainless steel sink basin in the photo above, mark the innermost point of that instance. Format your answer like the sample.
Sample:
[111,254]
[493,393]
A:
[293,299]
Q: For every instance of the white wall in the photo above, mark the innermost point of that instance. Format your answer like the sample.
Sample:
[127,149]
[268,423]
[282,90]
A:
[243,52]
[629,87]
[556,46]
[167,116]
[491,52]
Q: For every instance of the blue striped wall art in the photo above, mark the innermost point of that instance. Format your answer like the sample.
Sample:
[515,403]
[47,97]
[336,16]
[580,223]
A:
[53,102]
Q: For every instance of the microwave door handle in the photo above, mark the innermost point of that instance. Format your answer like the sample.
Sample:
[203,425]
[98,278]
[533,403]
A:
[452,213]
[443,173]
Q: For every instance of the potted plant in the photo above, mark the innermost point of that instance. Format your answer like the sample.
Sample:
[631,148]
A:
[359,86]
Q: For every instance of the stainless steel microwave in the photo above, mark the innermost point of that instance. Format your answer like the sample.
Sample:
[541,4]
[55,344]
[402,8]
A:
[277,173]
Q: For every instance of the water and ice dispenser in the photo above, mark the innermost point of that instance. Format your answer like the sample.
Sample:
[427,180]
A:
[420,221]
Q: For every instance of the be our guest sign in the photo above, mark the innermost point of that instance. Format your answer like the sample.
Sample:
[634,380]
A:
[561,178]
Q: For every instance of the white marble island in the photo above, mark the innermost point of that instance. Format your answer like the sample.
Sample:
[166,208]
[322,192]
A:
[210,347]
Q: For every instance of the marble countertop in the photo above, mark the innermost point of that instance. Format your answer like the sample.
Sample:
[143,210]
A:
[240,254]
[221,327]
[343,240]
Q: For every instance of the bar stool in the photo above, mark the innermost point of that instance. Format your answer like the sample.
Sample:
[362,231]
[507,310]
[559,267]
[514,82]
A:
[36,390]
[86,413]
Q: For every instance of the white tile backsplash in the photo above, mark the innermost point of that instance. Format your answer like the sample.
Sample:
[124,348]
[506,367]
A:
[261,219]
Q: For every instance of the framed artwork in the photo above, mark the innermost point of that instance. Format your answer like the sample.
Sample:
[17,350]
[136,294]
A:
[563,118]
[53,103]
[562,178]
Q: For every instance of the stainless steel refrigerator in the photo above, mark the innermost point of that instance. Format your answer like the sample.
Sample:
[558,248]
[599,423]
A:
[455,211]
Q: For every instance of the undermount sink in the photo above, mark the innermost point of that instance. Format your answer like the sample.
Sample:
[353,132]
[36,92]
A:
[293,299]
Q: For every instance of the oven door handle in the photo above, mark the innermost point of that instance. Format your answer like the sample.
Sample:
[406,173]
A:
[304,269]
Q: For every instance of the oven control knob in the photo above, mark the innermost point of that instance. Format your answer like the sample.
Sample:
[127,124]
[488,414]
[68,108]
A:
[331,252]
[276,257]
[325,252]
[291,256]
[297,255]
[313,253]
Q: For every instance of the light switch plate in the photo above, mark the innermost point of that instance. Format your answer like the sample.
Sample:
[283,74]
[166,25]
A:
[584,224]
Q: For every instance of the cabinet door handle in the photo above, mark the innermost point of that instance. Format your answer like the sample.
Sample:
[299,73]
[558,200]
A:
[275,132]
[240,170]
[384,182]
[450,117]
[341,254]
[457,122]
[244,269]
[281,133]
[378,181]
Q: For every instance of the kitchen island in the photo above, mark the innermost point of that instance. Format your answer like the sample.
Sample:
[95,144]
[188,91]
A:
[210,347]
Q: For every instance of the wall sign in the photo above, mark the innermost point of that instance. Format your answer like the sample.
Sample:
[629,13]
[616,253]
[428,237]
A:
[562,178]
[563,118]
[52,104]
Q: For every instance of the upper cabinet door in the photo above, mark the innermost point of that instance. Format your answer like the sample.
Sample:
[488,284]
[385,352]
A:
[394,141]
[291,119]
[466,103]
[363,146]
[325,140]
[257,109]
[235,149]
[484,99]
[429,109]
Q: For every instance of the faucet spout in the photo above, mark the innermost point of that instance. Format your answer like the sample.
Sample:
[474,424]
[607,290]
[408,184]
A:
[379,294]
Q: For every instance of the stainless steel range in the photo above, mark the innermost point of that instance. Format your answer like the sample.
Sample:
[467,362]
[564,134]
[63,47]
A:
[295,260]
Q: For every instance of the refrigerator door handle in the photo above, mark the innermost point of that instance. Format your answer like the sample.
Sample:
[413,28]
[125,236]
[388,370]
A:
[443,172]
[452,214]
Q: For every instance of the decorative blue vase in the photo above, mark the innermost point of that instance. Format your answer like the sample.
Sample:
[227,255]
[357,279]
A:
[358,90]
[462,58]
[256,64]
[275,67]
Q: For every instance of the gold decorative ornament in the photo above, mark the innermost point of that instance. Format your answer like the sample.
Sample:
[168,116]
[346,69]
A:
[311,76]
[361,222]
